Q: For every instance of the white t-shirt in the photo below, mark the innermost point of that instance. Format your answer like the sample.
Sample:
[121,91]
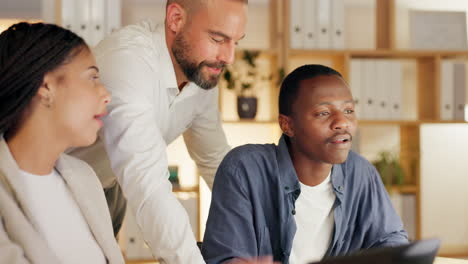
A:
[59,220]
[315,222]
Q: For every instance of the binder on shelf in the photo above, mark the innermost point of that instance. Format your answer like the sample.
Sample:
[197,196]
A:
[97,21]
[459,82]
[408,217]
[91,19]
[396,92]
[296,24]
[309,16]
[368,90]
[447,99]
[405,207]
[83,18]
[397,201]
[323,23]
[355,83]
[113,15]
[337,24]
[383,89]
[68,15]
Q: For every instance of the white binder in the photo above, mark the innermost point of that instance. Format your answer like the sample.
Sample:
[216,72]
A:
[446,90]
[114,15]
[324,15]
[337,24]
[309,14]
[368,90]
[396,92]
[383,89]
[355,83]
[459,81]
[296,24]
[68,15]
[83,19]
[97,21]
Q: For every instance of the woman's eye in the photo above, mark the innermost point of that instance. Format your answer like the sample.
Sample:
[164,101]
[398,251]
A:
[349,111]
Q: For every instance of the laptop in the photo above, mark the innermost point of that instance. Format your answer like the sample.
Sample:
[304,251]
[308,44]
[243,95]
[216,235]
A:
[419,252]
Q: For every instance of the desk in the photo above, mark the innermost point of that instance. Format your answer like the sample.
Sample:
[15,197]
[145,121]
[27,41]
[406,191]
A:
[440,260]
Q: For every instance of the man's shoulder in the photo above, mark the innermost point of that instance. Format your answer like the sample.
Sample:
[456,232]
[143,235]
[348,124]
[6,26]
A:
[254,157]
[136,37]
[251,152]
[252,165]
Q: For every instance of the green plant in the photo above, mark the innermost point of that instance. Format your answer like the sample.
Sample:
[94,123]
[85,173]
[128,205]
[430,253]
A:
[244,75]
[389,168]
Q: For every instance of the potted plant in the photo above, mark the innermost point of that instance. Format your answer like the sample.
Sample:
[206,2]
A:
[389,168]
[243,77]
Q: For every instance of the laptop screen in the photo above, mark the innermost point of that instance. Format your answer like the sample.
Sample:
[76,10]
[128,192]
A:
[419,252]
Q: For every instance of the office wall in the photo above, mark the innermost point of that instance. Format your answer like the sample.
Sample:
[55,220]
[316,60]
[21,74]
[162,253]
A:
[444,184]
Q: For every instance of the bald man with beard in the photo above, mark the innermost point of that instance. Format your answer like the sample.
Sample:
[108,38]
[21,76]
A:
[163,82]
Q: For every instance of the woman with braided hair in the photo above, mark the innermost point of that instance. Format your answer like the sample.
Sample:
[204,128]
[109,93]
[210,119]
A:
[52,206]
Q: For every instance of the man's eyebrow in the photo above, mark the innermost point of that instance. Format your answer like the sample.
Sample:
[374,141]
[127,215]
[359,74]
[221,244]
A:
[221,34]
[329,103]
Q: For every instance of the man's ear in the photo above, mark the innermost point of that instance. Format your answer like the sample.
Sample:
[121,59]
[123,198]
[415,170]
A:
[286,125]
[176,17]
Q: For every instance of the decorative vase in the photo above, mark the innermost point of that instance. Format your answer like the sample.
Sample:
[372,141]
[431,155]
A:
[246,107]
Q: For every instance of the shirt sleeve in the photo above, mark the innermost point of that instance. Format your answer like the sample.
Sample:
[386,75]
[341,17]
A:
[385,227]
[205,139]
[137,152]
[230,229]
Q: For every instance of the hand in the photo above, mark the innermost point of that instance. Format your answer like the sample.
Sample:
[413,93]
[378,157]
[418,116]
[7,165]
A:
[259,260]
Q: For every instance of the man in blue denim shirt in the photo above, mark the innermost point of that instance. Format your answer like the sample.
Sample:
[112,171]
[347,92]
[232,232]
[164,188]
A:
[308,197]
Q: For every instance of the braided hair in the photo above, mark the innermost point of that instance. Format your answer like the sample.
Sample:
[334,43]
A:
[27,53]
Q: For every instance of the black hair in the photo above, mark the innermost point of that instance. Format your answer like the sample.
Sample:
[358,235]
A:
[290,84]
[27,53]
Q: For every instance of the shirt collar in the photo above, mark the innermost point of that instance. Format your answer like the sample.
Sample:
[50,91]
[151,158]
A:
[169,81]
[288,175]
[337,179]
[167,72]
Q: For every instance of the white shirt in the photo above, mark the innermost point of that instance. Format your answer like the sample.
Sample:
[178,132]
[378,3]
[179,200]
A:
[314,221]
[58,218]
[146,114]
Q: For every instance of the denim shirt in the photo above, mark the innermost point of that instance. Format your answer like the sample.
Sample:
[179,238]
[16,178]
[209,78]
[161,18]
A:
[253,206]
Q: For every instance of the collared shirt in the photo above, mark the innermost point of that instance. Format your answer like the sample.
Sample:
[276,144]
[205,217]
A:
[253,206]
[146,114]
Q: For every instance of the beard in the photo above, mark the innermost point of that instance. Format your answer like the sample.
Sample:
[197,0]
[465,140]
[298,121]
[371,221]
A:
[182,50]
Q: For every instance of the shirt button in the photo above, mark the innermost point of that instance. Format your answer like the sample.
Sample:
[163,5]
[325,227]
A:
[340,188]
[293,212]
[286,188]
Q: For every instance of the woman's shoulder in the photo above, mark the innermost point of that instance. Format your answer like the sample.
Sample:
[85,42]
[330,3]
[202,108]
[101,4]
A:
[79,167]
